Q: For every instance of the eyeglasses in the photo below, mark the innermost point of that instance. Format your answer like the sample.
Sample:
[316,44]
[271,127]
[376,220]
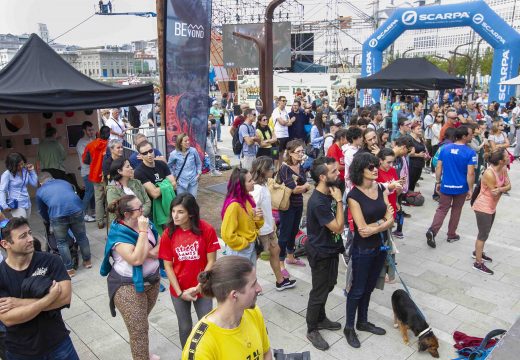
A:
[284,100]
[140,208]
[371,167]
[147,152]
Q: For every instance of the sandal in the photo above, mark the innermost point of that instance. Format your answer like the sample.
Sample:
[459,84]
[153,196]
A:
[295,261]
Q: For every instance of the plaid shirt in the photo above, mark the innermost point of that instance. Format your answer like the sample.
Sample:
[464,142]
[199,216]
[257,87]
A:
[367,100]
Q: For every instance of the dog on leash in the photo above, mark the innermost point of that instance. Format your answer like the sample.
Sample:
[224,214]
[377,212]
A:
[407,316]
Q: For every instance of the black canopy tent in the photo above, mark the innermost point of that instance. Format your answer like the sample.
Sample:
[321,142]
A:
[413,73]
[37,79]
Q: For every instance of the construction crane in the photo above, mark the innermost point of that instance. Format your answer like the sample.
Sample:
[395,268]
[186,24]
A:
[107,10]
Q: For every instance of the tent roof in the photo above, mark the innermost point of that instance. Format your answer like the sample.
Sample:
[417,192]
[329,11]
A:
[512,81]
[413,73]
[37,79]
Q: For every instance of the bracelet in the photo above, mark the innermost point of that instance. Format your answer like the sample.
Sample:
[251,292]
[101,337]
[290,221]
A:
[182,292]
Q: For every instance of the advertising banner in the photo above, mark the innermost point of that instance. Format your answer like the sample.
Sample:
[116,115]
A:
[187,46]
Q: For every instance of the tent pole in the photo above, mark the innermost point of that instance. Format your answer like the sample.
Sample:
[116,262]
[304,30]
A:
[155,127]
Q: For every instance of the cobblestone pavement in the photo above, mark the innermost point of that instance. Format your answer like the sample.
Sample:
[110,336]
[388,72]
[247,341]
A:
[452,295]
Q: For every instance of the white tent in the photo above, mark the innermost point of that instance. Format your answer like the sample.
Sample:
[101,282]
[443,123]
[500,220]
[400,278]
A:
[513,81]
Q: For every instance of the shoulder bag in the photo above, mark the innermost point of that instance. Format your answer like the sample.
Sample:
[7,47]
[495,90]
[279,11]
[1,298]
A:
[280,194]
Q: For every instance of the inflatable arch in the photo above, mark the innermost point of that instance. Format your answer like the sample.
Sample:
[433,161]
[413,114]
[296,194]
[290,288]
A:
[478,15]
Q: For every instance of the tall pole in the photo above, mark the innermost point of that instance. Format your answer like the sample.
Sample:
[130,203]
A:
[160,4]
[267,71]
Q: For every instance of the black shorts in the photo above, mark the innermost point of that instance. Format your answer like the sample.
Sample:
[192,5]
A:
[282,144]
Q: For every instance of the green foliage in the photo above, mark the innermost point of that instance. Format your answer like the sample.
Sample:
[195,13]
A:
[485,62]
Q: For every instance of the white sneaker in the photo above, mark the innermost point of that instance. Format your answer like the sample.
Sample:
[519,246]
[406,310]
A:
[89,218]
[216,173]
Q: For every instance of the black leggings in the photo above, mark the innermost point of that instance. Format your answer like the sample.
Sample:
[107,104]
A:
[415,174]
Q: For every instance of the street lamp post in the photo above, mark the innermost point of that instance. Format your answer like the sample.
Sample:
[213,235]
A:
[407,51]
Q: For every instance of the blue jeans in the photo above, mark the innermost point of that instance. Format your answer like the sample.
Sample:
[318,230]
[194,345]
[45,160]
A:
[366,267]
[89,194]
[249,252]
[64,351]
[219,130]
[231,118]
[76,224]
[191,188]
[289,227]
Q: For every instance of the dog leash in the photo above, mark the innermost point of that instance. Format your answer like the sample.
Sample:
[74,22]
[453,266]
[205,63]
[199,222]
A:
[392,263]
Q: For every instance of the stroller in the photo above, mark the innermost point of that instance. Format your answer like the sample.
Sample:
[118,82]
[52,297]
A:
[52,245]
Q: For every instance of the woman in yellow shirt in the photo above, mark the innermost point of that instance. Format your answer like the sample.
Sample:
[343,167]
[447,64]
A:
[241,219]
[235,330]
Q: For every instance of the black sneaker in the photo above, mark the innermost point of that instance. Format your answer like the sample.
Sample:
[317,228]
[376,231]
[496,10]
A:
[369,327]
[351,336]
[453,239]
[482,268]
[285,284]
[398,234]
[406,215]
[328,324]
[484,257]
[430,239]
[317,340]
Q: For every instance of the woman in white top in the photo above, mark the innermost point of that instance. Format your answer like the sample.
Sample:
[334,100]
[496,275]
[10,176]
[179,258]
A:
[262,170]
[133,280]
[497,137]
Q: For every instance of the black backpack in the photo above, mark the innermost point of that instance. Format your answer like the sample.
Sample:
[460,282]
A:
[237,145]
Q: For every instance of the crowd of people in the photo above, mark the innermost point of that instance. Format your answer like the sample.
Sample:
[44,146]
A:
[360,172]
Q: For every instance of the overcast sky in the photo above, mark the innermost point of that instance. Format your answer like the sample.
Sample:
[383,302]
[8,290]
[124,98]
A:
[22,16]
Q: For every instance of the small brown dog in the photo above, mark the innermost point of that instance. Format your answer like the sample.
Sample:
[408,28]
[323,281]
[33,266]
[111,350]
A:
[407,316]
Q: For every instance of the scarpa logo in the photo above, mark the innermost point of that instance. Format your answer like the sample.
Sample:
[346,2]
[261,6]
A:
[478,18]
[504,74]
[189,30]
[409,17]
[458,15]
[372,43]
[385,31]
[369,63]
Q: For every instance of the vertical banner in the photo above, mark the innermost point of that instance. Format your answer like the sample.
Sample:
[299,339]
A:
[186,65]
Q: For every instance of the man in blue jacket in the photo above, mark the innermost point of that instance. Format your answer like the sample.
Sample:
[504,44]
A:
[62,208]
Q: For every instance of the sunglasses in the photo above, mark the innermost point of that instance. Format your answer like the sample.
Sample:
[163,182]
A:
[147,152]
[371,167]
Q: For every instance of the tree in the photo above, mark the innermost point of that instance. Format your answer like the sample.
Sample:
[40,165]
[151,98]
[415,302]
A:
[486,61]
[440,63]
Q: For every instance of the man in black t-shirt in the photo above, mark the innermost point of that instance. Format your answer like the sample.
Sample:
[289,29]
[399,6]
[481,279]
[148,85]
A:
[151,172]
[324,227]
[35,328]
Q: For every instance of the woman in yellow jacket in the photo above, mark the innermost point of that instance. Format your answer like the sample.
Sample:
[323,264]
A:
[241,219]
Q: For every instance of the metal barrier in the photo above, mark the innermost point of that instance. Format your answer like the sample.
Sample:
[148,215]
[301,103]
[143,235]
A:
[156,137]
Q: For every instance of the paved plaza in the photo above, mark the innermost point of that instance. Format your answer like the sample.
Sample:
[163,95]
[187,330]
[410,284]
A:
[452,295]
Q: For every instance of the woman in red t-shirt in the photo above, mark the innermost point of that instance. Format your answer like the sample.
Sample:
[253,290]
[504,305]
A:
[188,246]
[340,139]
[387,176]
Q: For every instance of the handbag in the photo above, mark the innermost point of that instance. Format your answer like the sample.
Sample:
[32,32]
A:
[280,195]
